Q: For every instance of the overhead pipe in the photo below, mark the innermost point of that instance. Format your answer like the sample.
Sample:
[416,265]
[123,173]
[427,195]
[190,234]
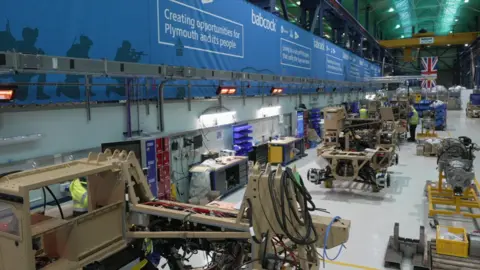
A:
[129,113]
[137,101]
[88,93]
[160,107]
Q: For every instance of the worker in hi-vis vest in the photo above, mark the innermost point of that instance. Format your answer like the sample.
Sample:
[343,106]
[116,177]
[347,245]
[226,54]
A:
[149,259]
[412,123]
[78,191]
[363,113]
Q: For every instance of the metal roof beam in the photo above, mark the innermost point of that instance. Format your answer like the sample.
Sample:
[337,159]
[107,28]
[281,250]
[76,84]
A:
[452,39]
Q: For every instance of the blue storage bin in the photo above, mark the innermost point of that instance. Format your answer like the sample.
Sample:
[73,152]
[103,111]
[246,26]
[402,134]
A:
[475,99]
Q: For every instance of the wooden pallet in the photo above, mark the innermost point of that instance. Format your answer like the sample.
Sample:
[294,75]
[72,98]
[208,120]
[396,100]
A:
[445,262]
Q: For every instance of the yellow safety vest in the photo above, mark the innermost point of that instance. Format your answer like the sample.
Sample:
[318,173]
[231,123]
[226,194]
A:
[147,246]
[79,196]
[414,118]
[363,114]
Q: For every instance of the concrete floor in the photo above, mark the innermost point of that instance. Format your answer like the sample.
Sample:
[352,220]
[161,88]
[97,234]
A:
[374,214]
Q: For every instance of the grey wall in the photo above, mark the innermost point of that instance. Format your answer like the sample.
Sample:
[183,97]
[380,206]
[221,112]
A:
[66,133]
[67,130]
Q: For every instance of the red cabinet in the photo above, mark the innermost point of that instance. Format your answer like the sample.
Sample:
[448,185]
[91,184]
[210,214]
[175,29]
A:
[163,168]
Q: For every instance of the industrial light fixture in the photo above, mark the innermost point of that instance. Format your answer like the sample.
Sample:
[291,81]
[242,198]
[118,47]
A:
[456,20]
[402,36]
[226,90]
[466,1]
[451,31]
[277,9]
[298,3]
[216,119]
[391,9]
[466,44]
[7,93]
[276,91]
[397,26]
[6,141]
[326,35]
[268,111]
[448,45]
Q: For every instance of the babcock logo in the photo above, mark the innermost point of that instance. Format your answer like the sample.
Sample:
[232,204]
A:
[258,20]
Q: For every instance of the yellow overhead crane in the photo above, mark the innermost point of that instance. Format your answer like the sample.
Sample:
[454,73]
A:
[426,39]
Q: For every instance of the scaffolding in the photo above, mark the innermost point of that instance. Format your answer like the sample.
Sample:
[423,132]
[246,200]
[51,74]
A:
[469,61]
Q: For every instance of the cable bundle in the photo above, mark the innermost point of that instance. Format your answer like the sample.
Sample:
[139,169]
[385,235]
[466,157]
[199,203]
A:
[284,214]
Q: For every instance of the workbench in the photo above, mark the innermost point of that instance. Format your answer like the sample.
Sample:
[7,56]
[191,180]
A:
[281,151]
[228,174]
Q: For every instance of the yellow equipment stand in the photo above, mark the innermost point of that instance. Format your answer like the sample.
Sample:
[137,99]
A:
[427,133]
[440,195]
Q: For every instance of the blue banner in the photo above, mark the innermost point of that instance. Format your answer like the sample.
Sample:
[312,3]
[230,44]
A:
[223,35]
[185,26]
[151,160]
[300,129]
[355,69]
[334,62]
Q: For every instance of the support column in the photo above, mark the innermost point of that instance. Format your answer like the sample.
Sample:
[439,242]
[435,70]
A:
[361,46]
[284,9]
[379,54]
[318,17]
[339,38]
[268,5]
[367,18]
[271,5]
[355,9]
[346,34]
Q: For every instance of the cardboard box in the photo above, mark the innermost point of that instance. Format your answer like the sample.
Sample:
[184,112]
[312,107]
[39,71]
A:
[334,118]
[386,114]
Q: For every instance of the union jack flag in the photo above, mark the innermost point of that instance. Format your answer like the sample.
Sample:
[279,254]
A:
[429,68]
